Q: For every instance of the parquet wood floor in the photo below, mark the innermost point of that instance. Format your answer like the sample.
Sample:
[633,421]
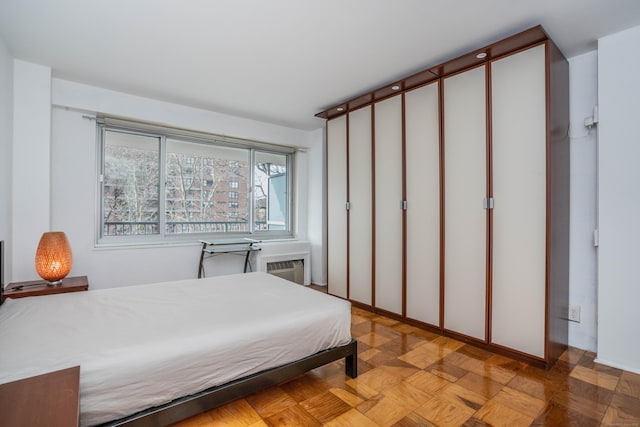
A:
[411,377]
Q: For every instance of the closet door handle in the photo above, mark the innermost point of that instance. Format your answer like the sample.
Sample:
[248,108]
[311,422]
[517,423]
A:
[487,203]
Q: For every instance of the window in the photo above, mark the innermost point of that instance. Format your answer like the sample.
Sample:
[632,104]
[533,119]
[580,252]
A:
[130,189]
[194,168]
[271,191]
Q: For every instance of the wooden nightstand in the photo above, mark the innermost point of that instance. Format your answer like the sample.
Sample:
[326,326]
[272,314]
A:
[40,287]
[51,400]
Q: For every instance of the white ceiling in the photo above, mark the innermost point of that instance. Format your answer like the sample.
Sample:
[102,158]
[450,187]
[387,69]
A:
[280,61]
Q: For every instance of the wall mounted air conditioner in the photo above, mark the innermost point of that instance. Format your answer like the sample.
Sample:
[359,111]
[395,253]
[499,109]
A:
[292,270]
[274,252]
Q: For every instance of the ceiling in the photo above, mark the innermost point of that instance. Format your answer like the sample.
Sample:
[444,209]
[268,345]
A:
[280,61]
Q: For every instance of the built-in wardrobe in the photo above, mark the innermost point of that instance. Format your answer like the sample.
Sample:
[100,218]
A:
[448,198]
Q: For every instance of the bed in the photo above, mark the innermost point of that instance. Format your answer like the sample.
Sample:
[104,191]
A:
[155,354]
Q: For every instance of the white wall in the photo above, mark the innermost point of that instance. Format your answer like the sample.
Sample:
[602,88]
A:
[31,164]
[58,189]
[583,81]
[6,136]
[91,98]
[316,203]
[619,200]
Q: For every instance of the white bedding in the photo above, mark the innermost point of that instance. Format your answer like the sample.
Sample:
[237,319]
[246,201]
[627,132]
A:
[142,346]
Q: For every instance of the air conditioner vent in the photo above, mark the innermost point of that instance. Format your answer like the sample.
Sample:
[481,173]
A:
[292,270]
[279,265]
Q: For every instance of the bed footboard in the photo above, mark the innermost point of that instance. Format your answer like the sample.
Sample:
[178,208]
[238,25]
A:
[188,406]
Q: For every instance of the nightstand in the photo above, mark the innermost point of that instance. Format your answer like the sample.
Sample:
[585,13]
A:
[40,287]
[51,400]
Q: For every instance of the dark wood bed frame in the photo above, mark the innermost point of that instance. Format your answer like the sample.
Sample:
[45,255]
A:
[211,398]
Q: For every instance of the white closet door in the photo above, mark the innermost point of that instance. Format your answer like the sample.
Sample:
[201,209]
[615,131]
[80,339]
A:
[422,129]
[336,206]
[388,204]
[360,211]
[519,187]
[465,217]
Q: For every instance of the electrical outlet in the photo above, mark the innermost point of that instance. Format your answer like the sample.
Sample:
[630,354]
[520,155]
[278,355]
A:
[574,313]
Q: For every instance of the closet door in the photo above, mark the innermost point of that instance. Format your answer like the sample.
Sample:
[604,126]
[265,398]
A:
[336,206]
[518,85]
[360,206]
[388,205]
[422,130]
[465,181]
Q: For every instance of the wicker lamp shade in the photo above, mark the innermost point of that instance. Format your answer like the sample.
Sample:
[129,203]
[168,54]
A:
[53,257]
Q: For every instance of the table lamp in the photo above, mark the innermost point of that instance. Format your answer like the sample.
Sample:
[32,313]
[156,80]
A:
[53,257]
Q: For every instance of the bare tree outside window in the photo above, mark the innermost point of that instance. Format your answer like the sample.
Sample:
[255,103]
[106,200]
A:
[130,199]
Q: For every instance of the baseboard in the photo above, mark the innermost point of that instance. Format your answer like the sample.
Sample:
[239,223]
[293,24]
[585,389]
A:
[634,370]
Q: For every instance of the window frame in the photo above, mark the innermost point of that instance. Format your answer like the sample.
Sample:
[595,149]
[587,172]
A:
[105,124]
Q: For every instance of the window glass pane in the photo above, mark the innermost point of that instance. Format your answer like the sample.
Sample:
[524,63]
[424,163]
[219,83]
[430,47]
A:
[197,188]
[270,192]
[130,186]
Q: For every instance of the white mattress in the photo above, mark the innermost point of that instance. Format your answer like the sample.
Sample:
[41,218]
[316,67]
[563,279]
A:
[142,346]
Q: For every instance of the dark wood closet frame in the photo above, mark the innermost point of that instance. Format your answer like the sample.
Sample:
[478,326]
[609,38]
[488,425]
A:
[556,297]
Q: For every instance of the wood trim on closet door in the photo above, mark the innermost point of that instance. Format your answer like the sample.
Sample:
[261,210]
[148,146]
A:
[404,211]
[373,205]
[442,208]
[489,159]
[326,207]
[348,212]
[547,271]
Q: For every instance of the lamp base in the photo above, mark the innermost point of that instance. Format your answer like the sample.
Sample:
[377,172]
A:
[55,283]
